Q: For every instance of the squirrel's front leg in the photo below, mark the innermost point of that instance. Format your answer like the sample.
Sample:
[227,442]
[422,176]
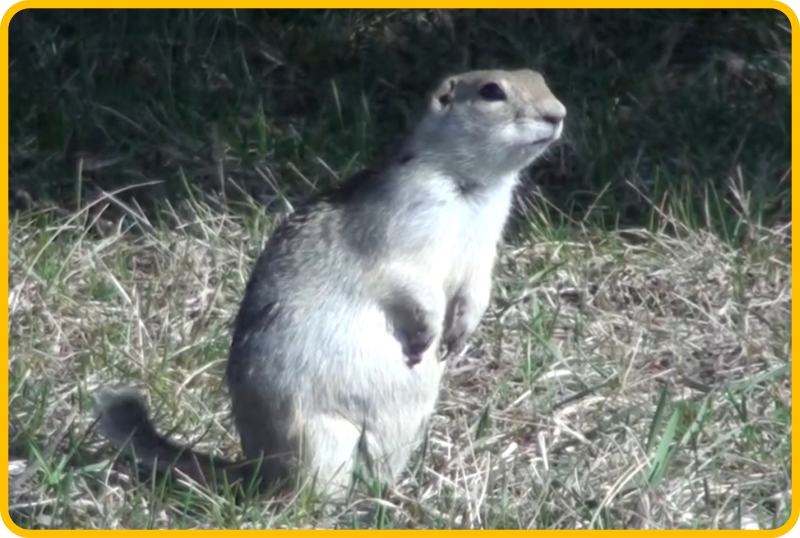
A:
[465,310]
[416,312]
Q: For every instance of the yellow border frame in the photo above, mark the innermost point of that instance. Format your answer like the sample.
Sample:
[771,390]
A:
[410,4]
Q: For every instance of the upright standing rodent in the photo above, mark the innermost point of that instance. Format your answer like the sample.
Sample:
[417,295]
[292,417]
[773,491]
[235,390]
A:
[335,351]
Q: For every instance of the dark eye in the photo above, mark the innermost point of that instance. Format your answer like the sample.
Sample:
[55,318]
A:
[492,91]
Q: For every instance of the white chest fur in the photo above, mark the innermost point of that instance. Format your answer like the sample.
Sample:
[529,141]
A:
[443,231]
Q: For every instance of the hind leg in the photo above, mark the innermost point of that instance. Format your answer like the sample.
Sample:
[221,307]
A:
[401,428]
[330,453]
[394,443]
[265,439]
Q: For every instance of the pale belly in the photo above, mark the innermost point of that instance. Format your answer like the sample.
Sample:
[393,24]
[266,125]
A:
[356,367]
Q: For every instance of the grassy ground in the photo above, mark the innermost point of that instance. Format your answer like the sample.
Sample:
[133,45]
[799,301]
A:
[633,370]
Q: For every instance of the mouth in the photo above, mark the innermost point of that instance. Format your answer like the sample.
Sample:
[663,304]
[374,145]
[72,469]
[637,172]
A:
[546,140]
[536,136]
[555,134]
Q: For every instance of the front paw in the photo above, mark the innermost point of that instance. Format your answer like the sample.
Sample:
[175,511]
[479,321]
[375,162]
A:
[417,343]
[457,332]
[413,359]
[455,340]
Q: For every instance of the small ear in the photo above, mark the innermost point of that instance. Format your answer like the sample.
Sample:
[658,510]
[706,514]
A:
[443,95]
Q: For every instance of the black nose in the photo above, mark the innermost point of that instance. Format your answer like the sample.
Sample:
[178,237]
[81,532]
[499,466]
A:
[552,111]
[553,119]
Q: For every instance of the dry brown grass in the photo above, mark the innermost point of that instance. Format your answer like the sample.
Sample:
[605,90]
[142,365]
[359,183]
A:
[621,379]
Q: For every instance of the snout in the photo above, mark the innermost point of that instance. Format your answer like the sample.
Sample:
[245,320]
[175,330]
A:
[552,112]
[532,133]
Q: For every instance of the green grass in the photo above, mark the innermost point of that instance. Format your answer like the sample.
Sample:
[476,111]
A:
[633,370]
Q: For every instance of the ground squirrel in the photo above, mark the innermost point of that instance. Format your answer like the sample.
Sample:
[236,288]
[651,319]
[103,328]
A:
[336,346]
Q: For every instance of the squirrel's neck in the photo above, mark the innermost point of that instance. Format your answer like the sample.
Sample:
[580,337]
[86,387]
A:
[431,169]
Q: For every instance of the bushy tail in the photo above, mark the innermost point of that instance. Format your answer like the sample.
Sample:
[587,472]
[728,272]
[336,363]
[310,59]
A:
[124,420]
